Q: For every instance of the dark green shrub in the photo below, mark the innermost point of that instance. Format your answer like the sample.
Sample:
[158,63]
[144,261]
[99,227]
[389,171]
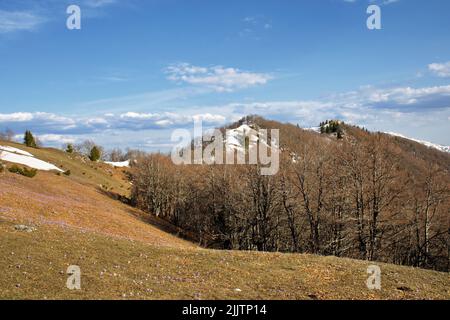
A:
[14,169]
[95,154]
[69,148]
[67,173]
[30,173]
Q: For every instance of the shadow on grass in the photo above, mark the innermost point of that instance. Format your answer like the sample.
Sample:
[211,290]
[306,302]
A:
[151,219]
[115,196]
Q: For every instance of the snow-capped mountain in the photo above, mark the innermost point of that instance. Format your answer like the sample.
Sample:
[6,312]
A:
[235,139]
[425,143]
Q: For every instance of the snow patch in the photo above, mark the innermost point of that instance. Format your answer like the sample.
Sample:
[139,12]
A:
[28,161]
[236,139]
[15,150]
[313,129]
[122,164]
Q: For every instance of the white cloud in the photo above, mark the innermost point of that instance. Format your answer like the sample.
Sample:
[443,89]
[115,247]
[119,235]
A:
[98,3]
[405,95]
[440,69]
[380,2]
[139,116]
[166,119]
[11,21]
[41,118]
[389,1]
[208,117]
[35,13]
[37,120]
[422,112]
[419,112]
[55,139]
[218,78]
[54,126]
[16,117]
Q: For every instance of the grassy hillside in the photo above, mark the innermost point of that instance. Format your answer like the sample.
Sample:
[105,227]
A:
[124,253]
[48,199]
[82,170]
[34,266]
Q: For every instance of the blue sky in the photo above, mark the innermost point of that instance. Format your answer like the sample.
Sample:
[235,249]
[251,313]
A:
[138,69]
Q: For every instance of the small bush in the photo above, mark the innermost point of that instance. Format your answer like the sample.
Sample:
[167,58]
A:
[69,148]
[14,169]
[95,154]
[67,173]
[30,173]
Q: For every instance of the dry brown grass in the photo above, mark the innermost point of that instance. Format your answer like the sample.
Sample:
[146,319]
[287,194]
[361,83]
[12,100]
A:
[125,254]
[49,199]
[34,266]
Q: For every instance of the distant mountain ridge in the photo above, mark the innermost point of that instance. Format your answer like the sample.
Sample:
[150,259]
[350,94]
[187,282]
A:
[249,126]
[394,134]
[425,143]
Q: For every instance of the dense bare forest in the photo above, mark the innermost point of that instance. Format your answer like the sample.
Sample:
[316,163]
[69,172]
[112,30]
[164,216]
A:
[353,194]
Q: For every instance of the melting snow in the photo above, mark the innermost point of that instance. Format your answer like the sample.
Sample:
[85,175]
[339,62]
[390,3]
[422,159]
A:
[119,164]
[235,138]
[313,129]
[15,155]
[15,150]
